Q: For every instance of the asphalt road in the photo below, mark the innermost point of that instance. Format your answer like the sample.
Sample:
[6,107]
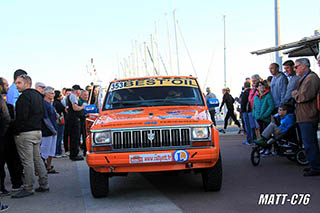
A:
[163,192]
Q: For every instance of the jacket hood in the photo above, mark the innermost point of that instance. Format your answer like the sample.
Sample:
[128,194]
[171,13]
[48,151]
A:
[265,93]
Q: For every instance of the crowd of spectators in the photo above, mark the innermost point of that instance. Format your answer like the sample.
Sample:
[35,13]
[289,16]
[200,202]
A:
[293,94]
[38,124]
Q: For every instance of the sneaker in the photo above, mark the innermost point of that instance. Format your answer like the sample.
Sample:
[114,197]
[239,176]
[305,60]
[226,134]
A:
[4,192]
[41,189]
[261,142]
[267,152]
[16,188]
[58,156]
[262,151]
[3,207]
[222,130]
[76,158]
[22,194]
[246,143]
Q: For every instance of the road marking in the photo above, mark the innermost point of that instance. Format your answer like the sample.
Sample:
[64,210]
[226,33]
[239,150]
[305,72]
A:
[127,194]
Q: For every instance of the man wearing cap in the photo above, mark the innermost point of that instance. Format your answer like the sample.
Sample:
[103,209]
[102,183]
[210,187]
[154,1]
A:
[39,86]
[73,120]
[307,113]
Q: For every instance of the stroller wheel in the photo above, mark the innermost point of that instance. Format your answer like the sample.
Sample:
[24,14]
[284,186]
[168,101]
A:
[301,157]
[255,156]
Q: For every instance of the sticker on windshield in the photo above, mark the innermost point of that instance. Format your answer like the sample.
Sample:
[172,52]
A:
[131,112]
[174,116]
[153,82]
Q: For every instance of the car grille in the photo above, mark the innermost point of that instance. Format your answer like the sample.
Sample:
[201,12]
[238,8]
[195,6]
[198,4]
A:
[151,138]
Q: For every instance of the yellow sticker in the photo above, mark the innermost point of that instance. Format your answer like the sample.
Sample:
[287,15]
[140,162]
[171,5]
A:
[153,82]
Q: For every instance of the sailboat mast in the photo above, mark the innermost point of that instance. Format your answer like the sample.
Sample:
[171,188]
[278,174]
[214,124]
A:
[225,48]
[169,43]
[176,36]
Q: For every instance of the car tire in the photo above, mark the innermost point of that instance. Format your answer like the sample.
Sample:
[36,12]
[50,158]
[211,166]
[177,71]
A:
[212,177]
[99,184]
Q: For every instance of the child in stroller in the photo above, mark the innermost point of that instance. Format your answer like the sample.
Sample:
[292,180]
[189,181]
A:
[283,136]
[287,120]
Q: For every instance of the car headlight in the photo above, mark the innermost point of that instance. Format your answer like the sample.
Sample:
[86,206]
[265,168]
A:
[200,133]
[102,138]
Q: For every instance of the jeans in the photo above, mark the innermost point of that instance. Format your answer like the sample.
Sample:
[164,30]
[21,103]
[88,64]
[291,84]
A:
[253,125]
[59,139]
[247,126]
[310,142]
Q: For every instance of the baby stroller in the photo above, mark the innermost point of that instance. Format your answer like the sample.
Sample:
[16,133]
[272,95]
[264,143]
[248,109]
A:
[288,144]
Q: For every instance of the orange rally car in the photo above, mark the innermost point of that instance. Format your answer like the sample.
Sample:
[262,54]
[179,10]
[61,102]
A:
[152,124]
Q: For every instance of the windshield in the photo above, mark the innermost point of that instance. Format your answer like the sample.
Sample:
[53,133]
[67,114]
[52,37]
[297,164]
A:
[153,96]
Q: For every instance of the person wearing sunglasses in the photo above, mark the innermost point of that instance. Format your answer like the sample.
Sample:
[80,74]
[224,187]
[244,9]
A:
[307,113]
[27,131]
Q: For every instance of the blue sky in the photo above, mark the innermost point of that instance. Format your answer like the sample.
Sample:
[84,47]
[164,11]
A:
[54,40]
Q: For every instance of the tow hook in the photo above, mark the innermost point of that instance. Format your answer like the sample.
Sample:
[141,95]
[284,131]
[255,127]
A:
[189,165]
[111,169]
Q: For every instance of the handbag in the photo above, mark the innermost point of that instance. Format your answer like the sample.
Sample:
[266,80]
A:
[60,119]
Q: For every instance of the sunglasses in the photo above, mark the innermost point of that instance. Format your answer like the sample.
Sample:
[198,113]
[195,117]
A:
[24,76]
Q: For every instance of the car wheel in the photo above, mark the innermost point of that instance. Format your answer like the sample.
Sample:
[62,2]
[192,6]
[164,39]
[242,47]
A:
[212,177]
[99,184]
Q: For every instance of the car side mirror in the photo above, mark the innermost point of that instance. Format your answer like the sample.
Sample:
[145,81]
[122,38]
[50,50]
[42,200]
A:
[91,109]
[213,102]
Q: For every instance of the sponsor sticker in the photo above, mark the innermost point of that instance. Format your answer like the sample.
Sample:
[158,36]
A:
[150,158]
[180,156]
[131,112]
[153,82]
[174,116]
[178,112]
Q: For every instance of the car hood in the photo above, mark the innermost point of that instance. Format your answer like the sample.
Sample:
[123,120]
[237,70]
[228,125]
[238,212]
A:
[152,116]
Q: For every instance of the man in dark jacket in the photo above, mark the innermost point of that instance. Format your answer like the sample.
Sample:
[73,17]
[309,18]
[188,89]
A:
[73,120]
[8,150]
[29,114]
[229,101]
